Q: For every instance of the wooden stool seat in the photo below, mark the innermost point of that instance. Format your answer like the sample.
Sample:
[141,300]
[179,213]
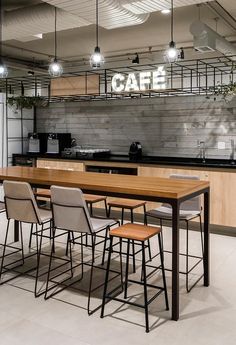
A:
[89,198]
[43,193]
[126,203]
[136,232]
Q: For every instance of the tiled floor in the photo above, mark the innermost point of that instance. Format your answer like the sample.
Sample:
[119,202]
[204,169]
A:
[208,315]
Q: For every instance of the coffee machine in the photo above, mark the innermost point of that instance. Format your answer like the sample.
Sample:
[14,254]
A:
[135,151]
[34,143]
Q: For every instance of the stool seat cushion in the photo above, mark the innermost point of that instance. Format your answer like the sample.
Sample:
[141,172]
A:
[135,232]
[126,203]
[164,212]
[101,223]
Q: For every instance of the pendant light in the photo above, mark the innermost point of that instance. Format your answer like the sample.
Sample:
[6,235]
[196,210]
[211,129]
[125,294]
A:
[55,68]
[96,59]
[172,53]
[3,68]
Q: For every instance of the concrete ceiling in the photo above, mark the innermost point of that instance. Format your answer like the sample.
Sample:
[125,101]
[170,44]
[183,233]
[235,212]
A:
[118,45]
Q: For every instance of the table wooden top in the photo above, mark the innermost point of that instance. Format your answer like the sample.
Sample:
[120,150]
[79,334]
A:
[105,183]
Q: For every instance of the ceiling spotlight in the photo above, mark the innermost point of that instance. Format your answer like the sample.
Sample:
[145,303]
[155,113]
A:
[97,59]
[181,53]
[165,11]
[30,73]
[135,61]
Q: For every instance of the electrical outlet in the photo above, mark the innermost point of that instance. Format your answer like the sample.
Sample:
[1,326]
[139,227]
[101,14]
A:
[221,145]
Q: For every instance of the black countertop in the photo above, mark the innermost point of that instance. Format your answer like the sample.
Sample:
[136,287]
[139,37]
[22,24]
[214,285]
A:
[158,160]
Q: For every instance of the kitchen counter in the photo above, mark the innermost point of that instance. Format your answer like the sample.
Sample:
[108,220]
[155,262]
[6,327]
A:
[156,160]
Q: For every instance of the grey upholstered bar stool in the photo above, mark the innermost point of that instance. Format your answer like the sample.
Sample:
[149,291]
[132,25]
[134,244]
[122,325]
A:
[70,213]
[21,206]
[189,210]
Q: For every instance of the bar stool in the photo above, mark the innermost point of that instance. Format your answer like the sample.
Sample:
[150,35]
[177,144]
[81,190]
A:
[131,205]
[189,210]
[21,206]
[139,233]
[70,214]
[89,199]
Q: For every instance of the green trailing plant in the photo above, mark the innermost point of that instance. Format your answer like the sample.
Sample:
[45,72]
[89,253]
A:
[27,102]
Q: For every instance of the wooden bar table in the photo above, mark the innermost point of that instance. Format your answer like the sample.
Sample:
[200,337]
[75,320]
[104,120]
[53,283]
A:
[171,191]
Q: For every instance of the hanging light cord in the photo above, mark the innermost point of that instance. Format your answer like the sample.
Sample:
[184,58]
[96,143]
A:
[55,34]
[1,24]
[172,20]
[97,23]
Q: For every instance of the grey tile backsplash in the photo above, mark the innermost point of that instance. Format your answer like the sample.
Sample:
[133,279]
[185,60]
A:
[168,126]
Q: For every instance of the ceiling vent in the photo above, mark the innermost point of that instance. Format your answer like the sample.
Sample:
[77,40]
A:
[208,40]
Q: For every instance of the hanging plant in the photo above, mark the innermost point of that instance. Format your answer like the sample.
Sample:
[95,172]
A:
[21,102]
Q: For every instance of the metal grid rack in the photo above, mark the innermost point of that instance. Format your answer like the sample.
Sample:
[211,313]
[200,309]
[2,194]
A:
[186,77]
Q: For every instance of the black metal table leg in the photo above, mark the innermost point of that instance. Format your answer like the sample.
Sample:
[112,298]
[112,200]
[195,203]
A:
[175,260]
[206,253]
[16,231]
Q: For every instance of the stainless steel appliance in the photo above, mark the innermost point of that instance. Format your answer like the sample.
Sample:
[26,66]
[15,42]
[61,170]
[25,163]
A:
[52,144]
[34,143]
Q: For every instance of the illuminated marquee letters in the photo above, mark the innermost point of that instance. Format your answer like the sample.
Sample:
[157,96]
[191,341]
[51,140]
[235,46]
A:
[141,81]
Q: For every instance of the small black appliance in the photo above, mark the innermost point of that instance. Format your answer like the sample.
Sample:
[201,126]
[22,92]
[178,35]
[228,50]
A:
[135,151]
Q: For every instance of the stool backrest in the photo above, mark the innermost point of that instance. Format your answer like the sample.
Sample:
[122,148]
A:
[69,209]
[20,202]
[193,204]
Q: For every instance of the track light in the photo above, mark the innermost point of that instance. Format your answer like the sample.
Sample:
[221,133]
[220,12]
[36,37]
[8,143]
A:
[181,54]
[135,61]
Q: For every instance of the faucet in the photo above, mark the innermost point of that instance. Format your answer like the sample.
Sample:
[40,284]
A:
[232,151]
[202,147]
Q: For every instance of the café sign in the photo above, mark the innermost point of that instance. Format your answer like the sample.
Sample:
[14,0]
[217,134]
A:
[140,81]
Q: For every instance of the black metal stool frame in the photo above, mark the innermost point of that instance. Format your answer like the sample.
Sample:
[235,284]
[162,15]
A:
[143,282]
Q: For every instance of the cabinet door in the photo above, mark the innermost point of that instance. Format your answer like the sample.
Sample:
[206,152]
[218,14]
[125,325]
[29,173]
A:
[61,165]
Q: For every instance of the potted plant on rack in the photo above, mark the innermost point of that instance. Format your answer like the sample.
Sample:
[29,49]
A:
[27,102]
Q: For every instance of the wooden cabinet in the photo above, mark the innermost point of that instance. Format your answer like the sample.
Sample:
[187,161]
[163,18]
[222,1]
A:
[222,184]
[60,164]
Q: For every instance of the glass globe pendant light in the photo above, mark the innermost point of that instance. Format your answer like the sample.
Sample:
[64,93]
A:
[172,53]
[3,68]
[55,68]
[97,59]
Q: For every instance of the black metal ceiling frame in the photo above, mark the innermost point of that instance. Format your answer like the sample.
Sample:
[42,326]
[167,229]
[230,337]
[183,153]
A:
[202,76]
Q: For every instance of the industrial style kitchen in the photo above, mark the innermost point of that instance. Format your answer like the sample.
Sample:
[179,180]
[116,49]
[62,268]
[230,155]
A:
[117,171]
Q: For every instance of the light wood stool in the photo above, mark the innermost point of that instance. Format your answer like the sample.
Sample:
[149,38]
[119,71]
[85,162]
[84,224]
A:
[139,233]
